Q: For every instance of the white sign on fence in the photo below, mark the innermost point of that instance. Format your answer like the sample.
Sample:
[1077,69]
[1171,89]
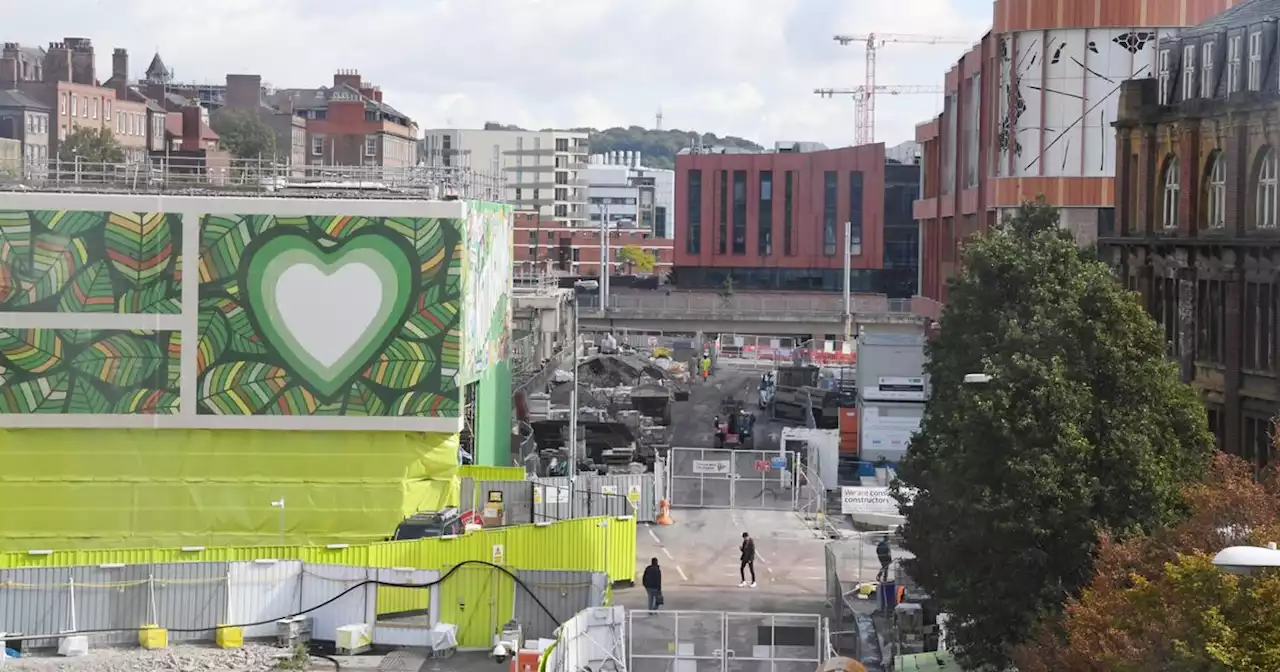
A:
[855,500]
[716,467]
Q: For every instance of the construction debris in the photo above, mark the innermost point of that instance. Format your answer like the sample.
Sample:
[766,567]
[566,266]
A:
[179,658]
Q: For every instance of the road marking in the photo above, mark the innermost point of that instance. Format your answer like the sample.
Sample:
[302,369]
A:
[668,554]
[653,534]
[680,571]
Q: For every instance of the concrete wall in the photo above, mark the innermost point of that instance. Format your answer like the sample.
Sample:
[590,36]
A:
[10,157]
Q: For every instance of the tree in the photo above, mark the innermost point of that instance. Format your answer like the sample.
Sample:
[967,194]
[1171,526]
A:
[638,259]
[90,145]
[1084,426]
[1157,602]
[243,134]
[726,289]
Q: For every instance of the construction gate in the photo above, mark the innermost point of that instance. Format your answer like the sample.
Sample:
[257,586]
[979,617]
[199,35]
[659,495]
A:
[717,641]
[716,478]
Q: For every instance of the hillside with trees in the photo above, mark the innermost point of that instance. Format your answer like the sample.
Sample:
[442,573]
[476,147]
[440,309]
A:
[657,148]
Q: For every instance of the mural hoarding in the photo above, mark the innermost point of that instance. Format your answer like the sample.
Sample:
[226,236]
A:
[489,241]
[293,314]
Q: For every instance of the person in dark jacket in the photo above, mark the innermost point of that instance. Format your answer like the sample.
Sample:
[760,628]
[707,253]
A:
[652,582]
[886,559]
[748,561]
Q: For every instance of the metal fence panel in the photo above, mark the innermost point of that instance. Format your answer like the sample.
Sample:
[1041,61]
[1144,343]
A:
[563,593]
[190,595]
[559,499]
[35,601]
[517,500]
[625,495]
[761,481]
[263,590]
[722,478]
[109,597]
[321,583]
[700,478]
[702,641]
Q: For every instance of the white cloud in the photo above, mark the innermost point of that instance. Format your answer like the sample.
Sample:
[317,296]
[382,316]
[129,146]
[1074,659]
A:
[740,67]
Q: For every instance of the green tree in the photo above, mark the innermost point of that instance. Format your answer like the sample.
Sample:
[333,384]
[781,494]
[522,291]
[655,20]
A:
[638,258]
[90,145]
[244,134]
[1084,426]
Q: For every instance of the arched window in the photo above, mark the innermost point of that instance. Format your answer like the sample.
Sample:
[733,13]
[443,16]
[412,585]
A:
[1266,192]
[1169,211]
[1216,192]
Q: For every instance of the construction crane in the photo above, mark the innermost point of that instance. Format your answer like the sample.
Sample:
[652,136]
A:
[864,104]
[865,131]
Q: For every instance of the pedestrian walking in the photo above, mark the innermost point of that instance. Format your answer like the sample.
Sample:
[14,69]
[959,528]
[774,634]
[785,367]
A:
[885,554]
[652,582]
[748,561]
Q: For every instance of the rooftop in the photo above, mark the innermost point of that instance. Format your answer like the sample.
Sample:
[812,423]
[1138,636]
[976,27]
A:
[16,98]
[1246,13]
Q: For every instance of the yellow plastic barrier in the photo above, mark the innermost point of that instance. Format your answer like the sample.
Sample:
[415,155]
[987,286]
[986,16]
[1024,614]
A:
[483,473]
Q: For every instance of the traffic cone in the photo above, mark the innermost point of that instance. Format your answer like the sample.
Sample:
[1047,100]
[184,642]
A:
[664,513]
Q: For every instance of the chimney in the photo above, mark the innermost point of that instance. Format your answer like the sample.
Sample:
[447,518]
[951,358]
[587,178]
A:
[349,78]
[82,66]
[120,64]
[9,66]
[57,63]
[244,92]
[191,123]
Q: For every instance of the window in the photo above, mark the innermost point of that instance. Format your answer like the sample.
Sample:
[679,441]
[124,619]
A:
[317,145]
[62,104]
[722,245]
[1165,76]
[74,110]
[787,188]
[1206,70]
[1266,206]
[1169,209]
[106,110]
[1233,64]
[93,108]
[739,212]
[855,212]
[370,145]
[1211,321]
[84,107]
[1255,61]
[829,180]
[764,231]
[973,117]
[562,144]
[1188,72]
[693,228]
[1255,440]
[1259,326]
[1216,192]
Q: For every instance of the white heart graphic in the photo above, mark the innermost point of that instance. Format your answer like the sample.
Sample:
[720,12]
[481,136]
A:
[326,314]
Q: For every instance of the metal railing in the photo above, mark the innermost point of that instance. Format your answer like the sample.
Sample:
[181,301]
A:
[766,306]
[218,174]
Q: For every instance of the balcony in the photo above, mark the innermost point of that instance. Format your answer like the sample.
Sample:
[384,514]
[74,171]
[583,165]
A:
[540,151]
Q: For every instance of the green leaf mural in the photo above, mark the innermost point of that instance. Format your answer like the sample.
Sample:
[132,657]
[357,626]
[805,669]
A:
[424,403]
[222,243]
[39,395]
[215,334]
[341,226]
[90,291]
[156,298]
[427,237]
[173,368]
[78,336]
[33,351]
[431,316]
[8,284]
[296,400]
[54,259]
[241,388]
[85,398]
[242,337]
[139,245]
[15,240]
[122,360]
[148,402]
[70,223]
[364,401]
[402,366]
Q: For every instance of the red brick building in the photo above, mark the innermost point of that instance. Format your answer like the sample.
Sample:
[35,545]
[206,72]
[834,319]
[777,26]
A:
[776,220]
[350,125]
[541,244]
[1028,112]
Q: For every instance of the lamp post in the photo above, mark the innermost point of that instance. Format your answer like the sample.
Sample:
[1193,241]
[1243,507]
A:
[279,504]
[1246,559]
[977,378]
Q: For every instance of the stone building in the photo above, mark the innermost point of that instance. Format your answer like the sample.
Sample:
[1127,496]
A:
[1196,214]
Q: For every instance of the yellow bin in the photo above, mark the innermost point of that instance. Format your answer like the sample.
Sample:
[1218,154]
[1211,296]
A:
[229,636]
[152,636]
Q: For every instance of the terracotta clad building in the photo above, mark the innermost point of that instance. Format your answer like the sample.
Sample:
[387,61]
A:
[1196,222]
[1028,112]
[776,220]
[541,243]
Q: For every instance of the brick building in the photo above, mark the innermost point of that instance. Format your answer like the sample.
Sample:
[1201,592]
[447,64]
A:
[26,121]
[1196,225]
[542,243]
[776,220]
[63,78]
[1028,112]
[350,125]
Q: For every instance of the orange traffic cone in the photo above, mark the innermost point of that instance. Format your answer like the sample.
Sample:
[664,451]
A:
[664,513]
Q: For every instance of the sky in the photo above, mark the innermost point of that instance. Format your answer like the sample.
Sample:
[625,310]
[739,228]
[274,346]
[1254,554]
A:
[730,67]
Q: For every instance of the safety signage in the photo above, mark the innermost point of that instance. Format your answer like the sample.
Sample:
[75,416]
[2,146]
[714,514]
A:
[778,462]
[711,467]
[609,489]
[499,554]
[633,493]
[762,465]
[856,500]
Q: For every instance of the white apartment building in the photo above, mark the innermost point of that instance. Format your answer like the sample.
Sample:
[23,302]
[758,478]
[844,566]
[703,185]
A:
[631,194]
[542,169]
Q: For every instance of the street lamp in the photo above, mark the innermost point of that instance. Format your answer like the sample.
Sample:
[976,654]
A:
[573,391]
[977,378]
[1246,559]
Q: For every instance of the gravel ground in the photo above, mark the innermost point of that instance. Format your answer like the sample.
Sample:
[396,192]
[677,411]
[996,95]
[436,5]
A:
[179,658]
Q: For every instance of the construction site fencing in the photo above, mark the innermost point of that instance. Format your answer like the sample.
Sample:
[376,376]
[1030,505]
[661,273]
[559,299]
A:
[594,639]
[811,502]
[487,473]
[756,348]
[850,562]
[202,596]
[509,502]
[709,641]
[825,353]
[712,478]
[596,495]
[196,175]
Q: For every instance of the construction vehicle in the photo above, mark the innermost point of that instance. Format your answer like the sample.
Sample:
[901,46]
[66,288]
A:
[735,426]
